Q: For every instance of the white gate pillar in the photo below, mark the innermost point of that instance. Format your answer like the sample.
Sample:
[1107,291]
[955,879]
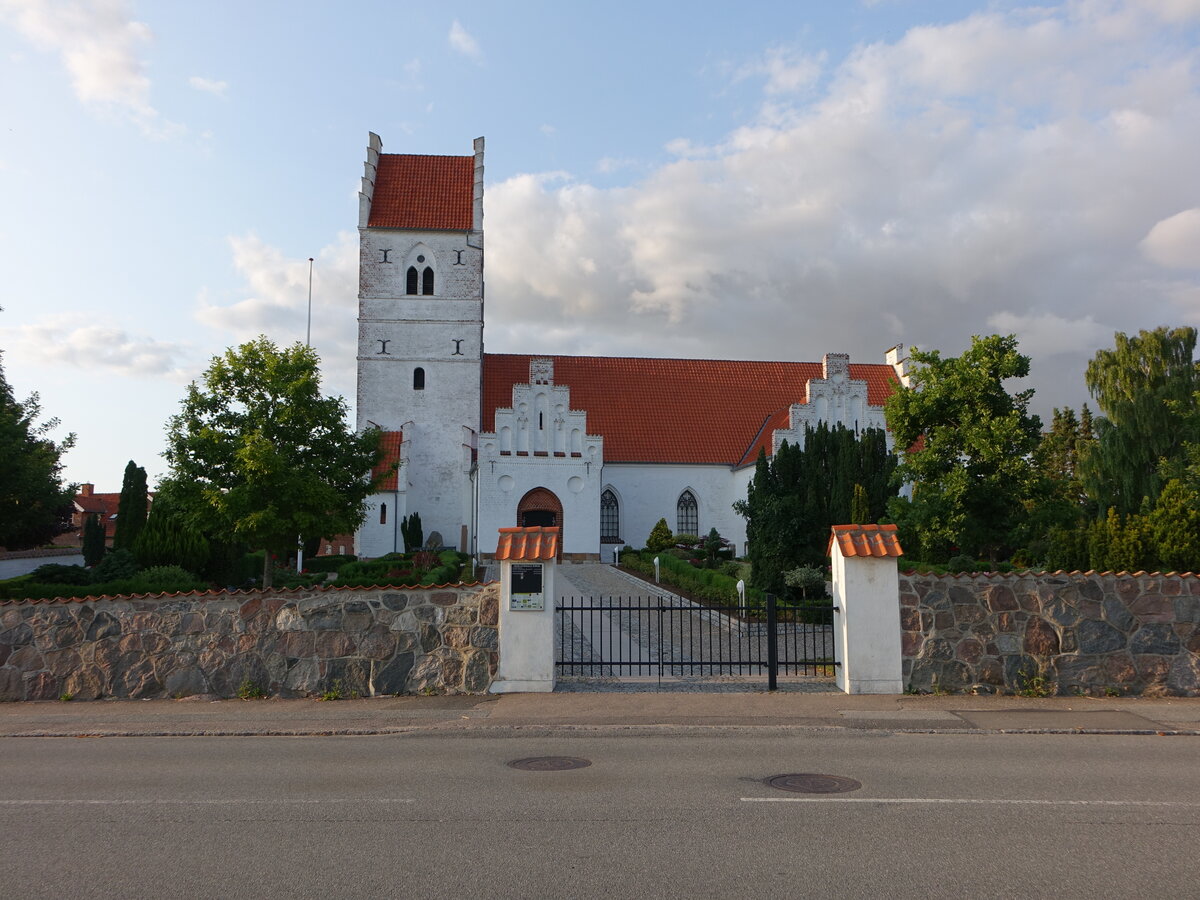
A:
[866,593]
[527,558]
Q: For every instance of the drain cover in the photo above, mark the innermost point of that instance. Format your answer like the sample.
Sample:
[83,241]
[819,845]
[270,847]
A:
[550,763]
[814,784]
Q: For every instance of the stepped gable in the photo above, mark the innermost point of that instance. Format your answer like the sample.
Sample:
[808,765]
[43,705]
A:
[430,193]
[700,411]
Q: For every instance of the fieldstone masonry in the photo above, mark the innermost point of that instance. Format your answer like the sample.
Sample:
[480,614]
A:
[293,644]
[1080,632]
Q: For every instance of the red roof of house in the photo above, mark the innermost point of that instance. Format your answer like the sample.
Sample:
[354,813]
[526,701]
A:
[426,192]
[675,410]
[532,542]
[104,504]
[391,456]
[865,540]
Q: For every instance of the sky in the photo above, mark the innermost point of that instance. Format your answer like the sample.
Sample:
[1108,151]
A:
[757,180]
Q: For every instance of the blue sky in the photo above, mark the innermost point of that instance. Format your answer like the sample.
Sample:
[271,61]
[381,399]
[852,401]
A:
[762,180]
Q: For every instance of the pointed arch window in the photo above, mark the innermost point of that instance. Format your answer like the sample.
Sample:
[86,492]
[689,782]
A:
[687,514]
[412,278]
[427,281]
[418,379]
[610,518]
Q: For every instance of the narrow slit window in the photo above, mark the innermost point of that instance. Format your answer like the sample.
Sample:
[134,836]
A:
[418,379]
[382,513]
[411,287]
[427,281]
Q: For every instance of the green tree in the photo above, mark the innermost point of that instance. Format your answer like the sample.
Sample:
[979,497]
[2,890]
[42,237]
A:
[93,540]
[412,532]
[660,537]
[131,508]
[169,537]
[1145,387]
[1175,526]
[970,442]
[35,504]
[260,455]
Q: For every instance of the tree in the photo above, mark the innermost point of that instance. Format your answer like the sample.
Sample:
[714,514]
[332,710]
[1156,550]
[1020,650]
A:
[970,442]
[1145,387]
[794,497]
[131,508]
[93,540]
[35,505]
[1175,525]
[259,455]
[169,538]
[412,532]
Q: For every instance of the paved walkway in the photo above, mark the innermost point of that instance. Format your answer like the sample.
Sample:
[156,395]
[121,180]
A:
[638,712]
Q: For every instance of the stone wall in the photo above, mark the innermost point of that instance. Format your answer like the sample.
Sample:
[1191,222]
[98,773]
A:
[363,642]
[1077,633]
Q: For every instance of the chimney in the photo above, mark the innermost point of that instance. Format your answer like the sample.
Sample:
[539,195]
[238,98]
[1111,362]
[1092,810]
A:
[86,489]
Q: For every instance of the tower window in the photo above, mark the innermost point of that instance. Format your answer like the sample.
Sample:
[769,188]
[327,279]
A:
[411,287]
[418,379]
[687,514]
[610,516]
[382,513]
[427,281]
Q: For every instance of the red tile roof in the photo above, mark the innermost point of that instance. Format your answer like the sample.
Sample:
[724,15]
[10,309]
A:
[866,540]
[391,456]
[675,410]
[534,542]
[427,192]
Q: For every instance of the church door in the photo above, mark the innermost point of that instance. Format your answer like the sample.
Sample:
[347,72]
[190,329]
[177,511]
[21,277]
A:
[541,507]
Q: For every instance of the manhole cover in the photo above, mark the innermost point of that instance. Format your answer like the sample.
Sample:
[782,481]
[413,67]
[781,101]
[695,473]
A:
[550,763]
[814,784]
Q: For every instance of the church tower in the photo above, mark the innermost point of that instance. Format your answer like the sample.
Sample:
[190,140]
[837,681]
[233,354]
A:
[420,338]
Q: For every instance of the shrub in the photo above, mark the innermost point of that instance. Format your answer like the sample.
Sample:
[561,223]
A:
[53,573]
[686,540]
[169,579]
[118,565]
[957,564]
[660,537]
[808,580]
[327,563]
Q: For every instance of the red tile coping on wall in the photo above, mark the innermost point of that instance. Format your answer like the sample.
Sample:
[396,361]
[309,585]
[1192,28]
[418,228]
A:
[222,593]
[433,193]
[531,543]
[391,456]
[676,410]
[865,540]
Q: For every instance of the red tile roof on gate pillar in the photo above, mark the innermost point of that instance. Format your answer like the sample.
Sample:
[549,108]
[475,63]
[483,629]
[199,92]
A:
[431,193]
[865,540]
[532,543]
[676,410]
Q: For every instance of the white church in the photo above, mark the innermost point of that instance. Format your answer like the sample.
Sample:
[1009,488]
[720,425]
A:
[602,447]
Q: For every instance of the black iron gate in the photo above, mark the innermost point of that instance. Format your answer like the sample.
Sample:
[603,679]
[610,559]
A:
[613,637]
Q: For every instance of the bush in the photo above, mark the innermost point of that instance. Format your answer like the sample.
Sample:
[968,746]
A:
[53,573]
[958,564]
[169,579]
[328,563]
[118,565]
[660,537]
[808,580]
[686,540]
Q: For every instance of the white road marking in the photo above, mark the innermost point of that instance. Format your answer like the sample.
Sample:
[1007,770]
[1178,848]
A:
[967,801]
[231,802]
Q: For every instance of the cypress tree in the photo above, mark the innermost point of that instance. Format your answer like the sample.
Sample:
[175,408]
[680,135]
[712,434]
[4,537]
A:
[131,509]
[93,541]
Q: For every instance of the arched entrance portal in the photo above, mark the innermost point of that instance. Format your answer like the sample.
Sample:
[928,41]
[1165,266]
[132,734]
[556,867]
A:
[541,507]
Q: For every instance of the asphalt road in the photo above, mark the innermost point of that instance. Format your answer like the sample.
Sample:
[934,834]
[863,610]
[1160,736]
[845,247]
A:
[675,815]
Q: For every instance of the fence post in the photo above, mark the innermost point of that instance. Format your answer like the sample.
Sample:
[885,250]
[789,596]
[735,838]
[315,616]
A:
[772,646]
[527,609]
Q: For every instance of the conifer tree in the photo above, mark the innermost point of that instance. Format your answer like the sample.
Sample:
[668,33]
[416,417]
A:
[93,540]
[131,508]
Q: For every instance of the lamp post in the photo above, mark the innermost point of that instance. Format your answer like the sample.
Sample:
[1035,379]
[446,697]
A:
[307,343]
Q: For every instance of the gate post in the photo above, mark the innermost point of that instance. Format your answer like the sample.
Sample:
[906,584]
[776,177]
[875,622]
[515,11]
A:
[527,558]
[866,598]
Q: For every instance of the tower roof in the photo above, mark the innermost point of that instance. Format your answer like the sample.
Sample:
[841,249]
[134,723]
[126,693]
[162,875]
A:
[434,193]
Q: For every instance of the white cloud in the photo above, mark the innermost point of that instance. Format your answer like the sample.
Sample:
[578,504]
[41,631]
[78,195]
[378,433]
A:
[209,85]
[277,301]
[464,43]
[99,44]
[784,70]
[997,173]
[77,340]
[1175,241]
